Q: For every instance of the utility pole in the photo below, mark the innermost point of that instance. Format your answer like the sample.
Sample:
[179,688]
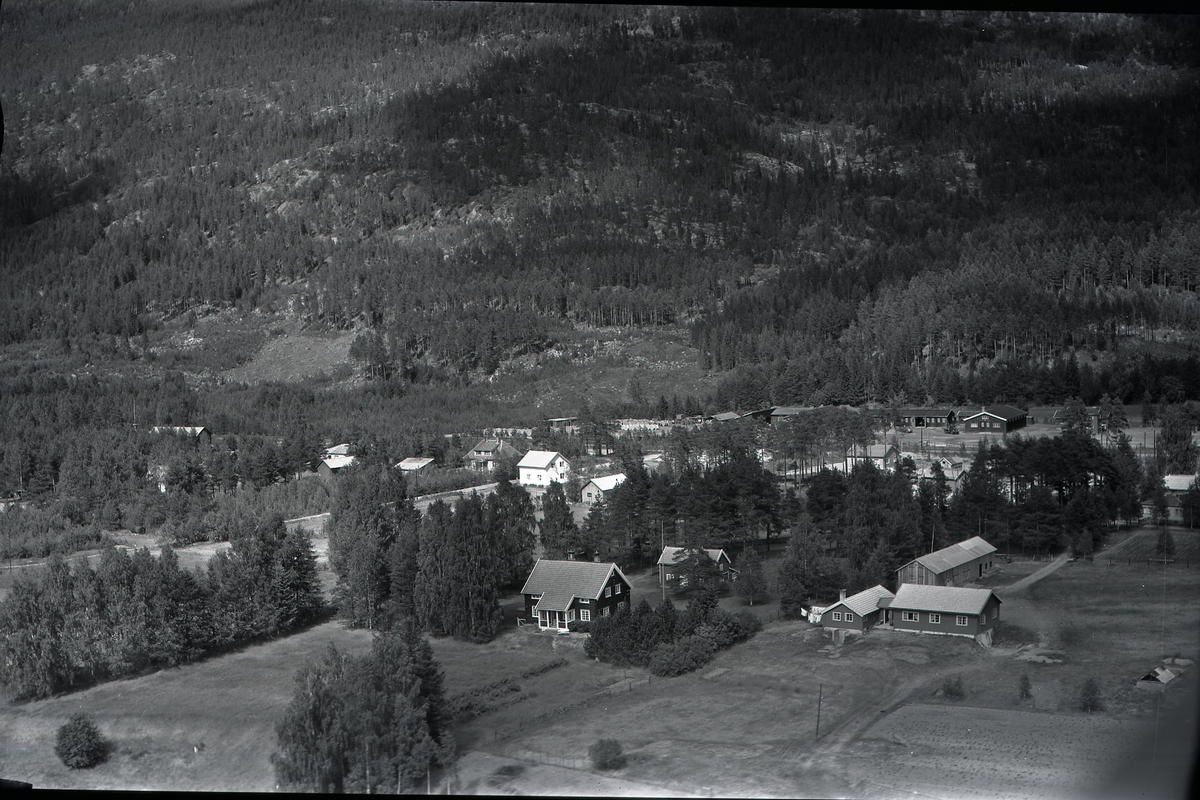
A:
[820,687]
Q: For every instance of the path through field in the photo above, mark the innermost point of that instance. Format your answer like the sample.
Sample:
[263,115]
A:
[1035,577]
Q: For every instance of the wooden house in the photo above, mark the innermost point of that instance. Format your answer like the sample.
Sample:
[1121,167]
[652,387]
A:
[859,612]
[671,556]
[559,592]
[414,465]
[541,467]
[883,456]
[995,419]
[487,454]
[198,435]
[951,566]
[597,489]
[945,610]
[927,417]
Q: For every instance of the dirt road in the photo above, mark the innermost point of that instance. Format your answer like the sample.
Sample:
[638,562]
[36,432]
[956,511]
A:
[1035,577]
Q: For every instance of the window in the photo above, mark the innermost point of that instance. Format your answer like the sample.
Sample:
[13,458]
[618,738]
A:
[604,611]
[837,616]
[983,620]
[935,619]
[996,612]
[912,616]
[961,620]
[585,615]
[616,588]
[849,617]
[608,591]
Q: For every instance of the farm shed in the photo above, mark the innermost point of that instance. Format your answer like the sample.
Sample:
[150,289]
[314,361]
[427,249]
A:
[411,466]
[995,419]
[859,612]
[946,610]
[598,488]
[559,592]
[1157,680]
[332,465]
[673,555]
[950,566]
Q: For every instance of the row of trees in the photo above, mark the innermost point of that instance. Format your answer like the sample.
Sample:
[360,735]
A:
[445,569]
[70,626]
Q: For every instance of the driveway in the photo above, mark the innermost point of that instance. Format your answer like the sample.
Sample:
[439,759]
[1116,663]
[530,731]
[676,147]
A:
[1028,580]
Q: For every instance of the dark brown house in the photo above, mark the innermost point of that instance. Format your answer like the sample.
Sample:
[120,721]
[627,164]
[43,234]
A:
[860,612]
[951,566]
[559,592]
[927,417]
[995,419]
[945,610]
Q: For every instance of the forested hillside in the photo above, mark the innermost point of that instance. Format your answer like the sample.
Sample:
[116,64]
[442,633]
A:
[843,206]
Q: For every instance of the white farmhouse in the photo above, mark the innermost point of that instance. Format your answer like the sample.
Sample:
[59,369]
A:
[540,467]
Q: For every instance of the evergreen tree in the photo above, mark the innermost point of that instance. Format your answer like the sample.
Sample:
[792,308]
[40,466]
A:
[557,529]
[751,583]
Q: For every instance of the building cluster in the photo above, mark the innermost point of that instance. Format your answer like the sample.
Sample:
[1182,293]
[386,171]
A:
[930,597]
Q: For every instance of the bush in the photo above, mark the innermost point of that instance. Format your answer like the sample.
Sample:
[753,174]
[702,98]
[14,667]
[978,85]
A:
[688,654]
[1089,696]
[79,743]
[1025,688]
[575,626]
[952,688]
[606,754]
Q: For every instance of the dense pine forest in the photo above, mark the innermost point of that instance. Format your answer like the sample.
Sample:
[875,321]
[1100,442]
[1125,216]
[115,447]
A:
[835,206]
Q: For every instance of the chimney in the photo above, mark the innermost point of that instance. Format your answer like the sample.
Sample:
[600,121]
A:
[841,595]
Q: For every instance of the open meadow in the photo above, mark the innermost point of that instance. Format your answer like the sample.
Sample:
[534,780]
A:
[743,726]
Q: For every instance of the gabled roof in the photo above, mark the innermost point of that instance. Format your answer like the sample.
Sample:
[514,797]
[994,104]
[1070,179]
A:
[726,416]
[540,459]
[608,482]
[414,463]
[671,555]
[942,599]
[337,462]
[866,601]
[789,411]
[486,446]
[556,580]
[182,430]
[955,555]
[1178,483]
[1006,413]
[338,450]
[925,412]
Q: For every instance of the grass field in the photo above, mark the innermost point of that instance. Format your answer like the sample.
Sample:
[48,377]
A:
[1143,544]
[743,726]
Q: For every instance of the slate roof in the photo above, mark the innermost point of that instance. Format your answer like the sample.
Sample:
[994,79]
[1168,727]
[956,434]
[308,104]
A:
[338,450]
[866,601]
[955,555]
[486,446]
[558,582]
[414,463]
[672,554]
[788,411]
[538,459]
[942,599]
[726,416]
[189,430]
[608,482]
[1006,413]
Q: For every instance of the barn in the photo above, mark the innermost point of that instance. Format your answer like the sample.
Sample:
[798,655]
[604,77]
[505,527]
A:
[950,566]
[945,610]
[859,612]
[560,592]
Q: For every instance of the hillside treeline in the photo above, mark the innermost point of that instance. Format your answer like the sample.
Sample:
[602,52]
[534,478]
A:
[69,626]
[468,180]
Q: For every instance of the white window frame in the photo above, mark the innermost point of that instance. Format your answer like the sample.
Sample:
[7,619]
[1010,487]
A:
[935,619]
[837,616]
[961,620]
[912,616]
[849,617]
[996,612]
[604,611]
[616,588]
[585,615]
[608,591]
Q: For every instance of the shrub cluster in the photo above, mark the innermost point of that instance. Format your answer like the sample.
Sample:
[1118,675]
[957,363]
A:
[482,699]
[606,754]
[952,688]
[667,642]
[543,668]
